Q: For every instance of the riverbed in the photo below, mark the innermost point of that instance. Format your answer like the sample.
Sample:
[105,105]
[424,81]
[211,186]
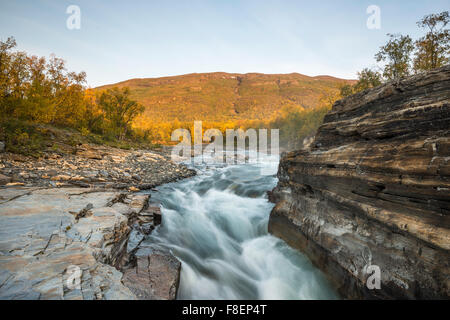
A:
[216,224]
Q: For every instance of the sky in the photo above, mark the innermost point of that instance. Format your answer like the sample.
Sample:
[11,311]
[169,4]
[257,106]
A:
[120,40]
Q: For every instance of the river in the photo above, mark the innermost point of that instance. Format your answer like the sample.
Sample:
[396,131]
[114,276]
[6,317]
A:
[216,224]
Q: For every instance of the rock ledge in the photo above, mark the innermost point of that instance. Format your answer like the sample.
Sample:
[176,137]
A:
[70,243]
[374,189]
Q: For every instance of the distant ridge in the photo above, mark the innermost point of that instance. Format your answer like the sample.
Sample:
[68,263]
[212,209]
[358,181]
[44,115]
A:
[221,96]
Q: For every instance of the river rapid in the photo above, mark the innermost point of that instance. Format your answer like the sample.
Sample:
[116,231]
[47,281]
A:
[216,224]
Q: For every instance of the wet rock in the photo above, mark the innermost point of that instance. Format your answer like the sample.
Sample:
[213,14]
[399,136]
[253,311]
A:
[134,240]
[147,228]
[151,214]
[156,275]
[138,202]
[4,180]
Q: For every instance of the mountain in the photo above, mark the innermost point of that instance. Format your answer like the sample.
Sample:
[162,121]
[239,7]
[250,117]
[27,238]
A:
[219,96]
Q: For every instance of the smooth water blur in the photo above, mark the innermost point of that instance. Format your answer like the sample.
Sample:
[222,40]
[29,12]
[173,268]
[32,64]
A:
[216,225]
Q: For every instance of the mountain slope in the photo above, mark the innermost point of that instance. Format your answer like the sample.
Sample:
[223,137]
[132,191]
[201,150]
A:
[226,96]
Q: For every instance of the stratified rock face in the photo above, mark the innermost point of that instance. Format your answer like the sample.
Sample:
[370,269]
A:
[374,189]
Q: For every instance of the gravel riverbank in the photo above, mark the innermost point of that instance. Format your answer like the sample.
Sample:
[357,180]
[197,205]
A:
[93,166]
[71,224]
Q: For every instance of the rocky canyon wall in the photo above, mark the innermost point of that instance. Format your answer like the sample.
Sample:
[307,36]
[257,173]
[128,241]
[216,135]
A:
[373,188]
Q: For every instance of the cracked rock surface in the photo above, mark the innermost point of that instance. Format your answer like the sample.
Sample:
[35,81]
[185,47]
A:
[70,243]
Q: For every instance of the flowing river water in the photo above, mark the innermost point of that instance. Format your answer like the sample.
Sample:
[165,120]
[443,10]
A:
[216,224]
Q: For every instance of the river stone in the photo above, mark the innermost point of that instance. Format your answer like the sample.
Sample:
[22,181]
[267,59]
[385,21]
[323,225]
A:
[156,275]
[4,180]
[134,240]
[94,165]
[90,153]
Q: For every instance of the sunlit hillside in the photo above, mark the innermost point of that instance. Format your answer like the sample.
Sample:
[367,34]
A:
[218,97]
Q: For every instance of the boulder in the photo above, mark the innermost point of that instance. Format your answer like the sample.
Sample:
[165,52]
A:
[4,180]
[156,275]
[89,153]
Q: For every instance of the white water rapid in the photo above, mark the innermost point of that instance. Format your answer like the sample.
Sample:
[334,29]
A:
[216,225]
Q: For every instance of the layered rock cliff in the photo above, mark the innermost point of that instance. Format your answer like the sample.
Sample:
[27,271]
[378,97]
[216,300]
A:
[373,189]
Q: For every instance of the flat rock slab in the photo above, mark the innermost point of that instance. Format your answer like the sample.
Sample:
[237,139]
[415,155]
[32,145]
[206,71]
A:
[45,253]
[155,277]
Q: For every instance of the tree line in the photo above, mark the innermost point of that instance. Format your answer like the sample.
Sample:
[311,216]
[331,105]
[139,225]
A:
[402,56]
[39,90]
[35,90]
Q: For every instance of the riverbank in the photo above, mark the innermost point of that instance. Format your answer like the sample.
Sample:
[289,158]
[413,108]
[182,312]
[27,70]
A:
[371,192]
[90,166]
[70,224]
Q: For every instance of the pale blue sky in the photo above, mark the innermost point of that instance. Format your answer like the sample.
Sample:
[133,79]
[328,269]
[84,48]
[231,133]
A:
[119,40]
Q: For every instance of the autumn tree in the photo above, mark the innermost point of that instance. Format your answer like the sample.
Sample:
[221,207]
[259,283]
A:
[346,90]
[66,90]
[18,76]
[433,49]
[119,110]
[397,56]
[37,90]
[5,66]
[93,116]
[14,80]
[367,79]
